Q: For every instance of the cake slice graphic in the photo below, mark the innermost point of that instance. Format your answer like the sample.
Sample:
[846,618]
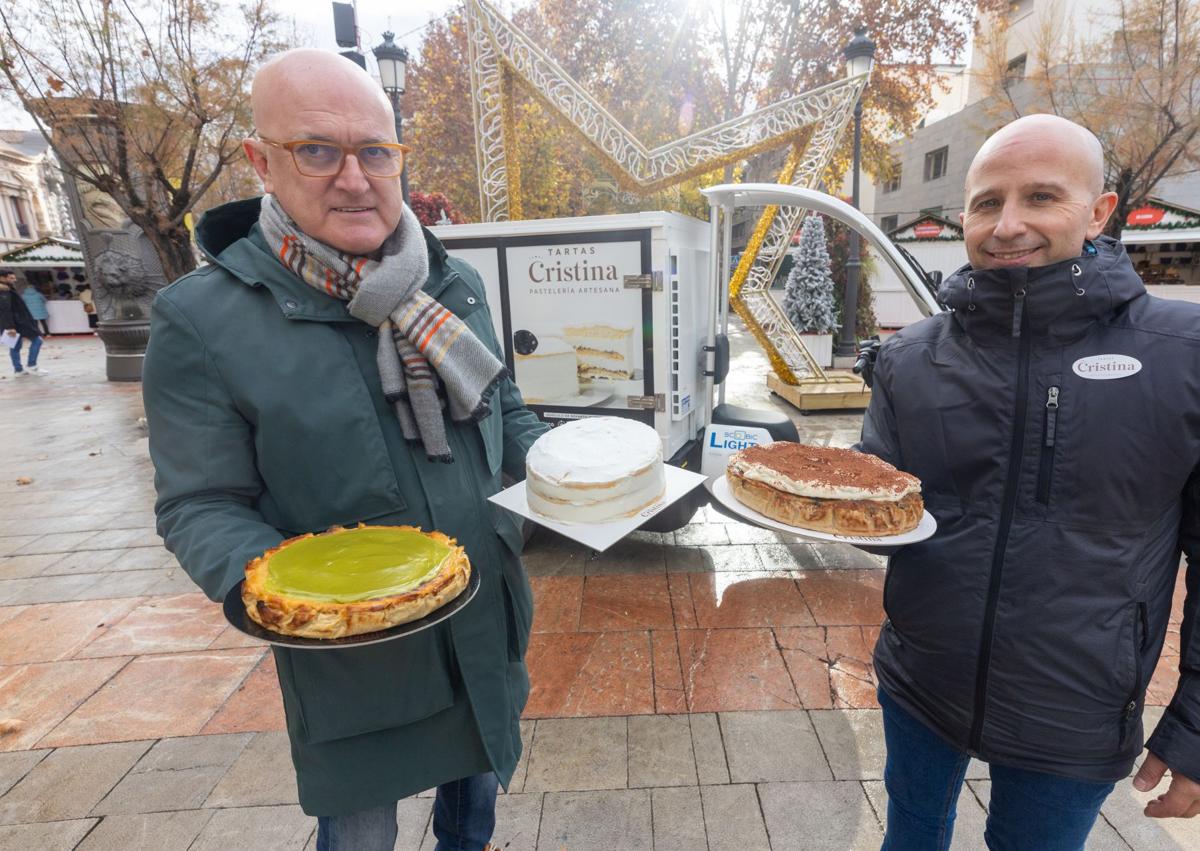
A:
[605,352]
[547,368]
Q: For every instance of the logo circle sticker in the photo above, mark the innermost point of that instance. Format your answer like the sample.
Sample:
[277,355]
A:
[1106,367]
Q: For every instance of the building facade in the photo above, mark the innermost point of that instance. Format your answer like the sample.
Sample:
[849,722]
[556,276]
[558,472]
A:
[933,161]
[33,197]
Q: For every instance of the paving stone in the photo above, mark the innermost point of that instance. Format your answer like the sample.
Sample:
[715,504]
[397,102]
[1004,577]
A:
[744,533]
[846,557]
[596,821]
[46,589]
[135,705]
[55,631]
[10,544]
[15,765]
[701,535]
[678,819]
[1104,836]
[681,559]
[578,753]
[54,836]
[55,542]
[767,746]
[853,742]
[171,581]
[412,822]
[124,539]
[628,556]
[256,829]
[977,770]
[660,751]
[23,567]
[969,820]
[777,556]
[41,695]
[819,816]
[175,774]
[263,774]
[173,831]
[85,561]
[733,820]
[517,784]
[708,749]
[69,782]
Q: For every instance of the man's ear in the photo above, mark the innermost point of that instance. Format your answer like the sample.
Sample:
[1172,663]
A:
[257,155]
[961,215]
[1102,208]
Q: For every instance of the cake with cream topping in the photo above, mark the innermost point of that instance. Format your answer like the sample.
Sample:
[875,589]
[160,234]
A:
[595,470]
[826,489]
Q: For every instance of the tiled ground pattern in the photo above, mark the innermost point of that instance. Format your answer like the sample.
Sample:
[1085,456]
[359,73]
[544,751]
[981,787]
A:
[708,688]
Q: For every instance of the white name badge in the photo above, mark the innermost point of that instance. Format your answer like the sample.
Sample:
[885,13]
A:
[1107,367]
[721,441]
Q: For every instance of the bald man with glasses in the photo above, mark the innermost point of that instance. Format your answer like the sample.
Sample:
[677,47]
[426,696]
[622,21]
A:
[287,392]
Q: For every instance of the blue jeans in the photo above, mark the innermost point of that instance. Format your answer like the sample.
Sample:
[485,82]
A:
[464,817]
[35,346]
[1029,810]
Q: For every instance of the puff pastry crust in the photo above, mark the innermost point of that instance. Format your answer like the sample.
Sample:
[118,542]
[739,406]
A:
[306,618]
[864,517]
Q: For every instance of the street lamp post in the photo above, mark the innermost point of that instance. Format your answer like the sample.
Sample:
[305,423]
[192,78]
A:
[860,56]
[393,62]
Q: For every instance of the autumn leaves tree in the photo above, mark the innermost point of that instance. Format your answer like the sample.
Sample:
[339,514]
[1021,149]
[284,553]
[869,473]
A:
[146,103]
[665,70]
[1133,80]
[645,66]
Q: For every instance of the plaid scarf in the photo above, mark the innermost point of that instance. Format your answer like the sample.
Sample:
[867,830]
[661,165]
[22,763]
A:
[426,354]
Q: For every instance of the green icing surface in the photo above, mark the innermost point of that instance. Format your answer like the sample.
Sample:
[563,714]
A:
[355,565]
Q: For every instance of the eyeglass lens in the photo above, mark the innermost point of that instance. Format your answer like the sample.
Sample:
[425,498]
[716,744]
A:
[320,160]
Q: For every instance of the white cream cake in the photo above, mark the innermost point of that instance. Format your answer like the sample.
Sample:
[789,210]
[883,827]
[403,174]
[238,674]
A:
[550,372]
[605,351]
[595,470]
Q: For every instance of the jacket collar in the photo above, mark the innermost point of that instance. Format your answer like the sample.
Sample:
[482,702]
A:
[1056,303]
[230,237]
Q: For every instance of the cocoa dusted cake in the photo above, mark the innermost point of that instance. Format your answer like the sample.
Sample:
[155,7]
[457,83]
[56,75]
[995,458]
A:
[826,489]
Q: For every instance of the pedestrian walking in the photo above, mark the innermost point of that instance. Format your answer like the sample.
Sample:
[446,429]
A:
[36,302]
[17,325]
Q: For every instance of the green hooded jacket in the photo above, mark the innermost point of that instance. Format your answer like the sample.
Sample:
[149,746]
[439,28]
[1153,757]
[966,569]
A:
[267,421]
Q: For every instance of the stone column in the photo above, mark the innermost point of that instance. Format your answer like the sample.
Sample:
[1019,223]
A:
[122,266]
[125,273]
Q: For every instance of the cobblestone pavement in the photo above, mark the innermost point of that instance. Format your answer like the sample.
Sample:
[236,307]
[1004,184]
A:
[709,688]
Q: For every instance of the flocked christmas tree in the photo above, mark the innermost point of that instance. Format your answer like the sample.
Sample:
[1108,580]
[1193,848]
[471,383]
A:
[808,296]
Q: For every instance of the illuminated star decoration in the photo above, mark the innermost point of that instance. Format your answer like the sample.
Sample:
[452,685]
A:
[501,55]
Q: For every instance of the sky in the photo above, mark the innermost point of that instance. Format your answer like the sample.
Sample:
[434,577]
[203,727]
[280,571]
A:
[314,21]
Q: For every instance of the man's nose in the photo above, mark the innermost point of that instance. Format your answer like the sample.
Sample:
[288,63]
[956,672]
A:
[1010,224]
[352,178]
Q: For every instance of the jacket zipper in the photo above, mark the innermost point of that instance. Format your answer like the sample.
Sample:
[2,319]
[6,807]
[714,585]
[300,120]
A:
[1046,465]
[1006,514]
[1129,712]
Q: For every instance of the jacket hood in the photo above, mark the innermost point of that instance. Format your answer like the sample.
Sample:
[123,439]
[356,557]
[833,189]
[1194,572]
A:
[1059,301]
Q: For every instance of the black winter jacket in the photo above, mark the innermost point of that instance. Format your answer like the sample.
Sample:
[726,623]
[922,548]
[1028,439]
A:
[1053,418]
[15,314]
